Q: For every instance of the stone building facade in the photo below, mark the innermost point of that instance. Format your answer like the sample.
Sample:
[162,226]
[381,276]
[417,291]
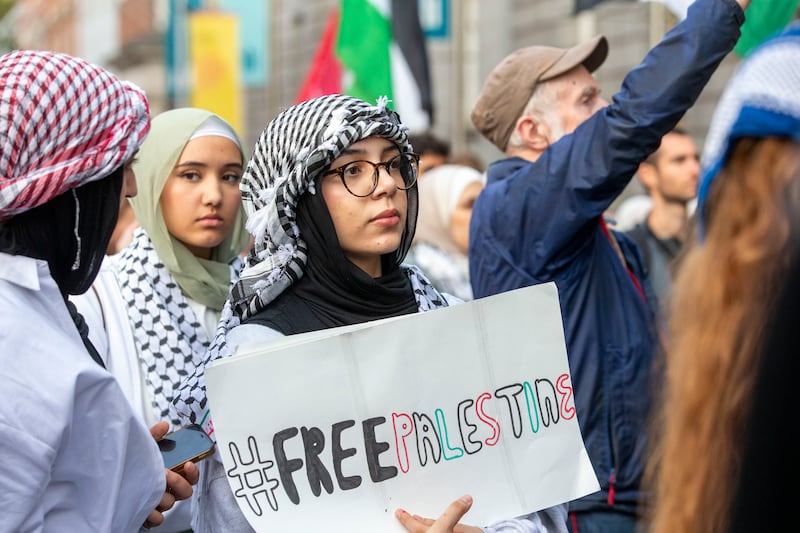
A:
[128,37]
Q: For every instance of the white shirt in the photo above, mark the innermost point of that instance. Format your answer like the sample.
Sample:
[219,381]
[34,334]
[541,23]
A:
[105,312]
[73,454]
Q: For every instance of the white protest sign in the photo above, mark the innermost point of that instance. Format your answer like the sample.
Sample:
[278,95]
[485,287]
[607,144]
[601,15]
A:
[337,429]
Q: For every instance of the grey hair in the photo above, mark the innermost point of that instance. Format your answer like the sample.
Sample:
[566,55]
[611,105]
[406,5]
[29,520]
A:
[542,106]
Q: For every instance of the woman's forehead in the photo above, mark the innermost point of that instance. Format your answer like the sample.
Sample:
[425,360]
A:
[372,143]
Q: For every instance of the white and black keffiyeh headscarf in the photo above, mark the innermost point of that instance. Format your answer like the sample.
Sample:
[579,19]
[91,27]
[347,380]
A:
[293,150]
[289,157]
[167,332]
[169,336]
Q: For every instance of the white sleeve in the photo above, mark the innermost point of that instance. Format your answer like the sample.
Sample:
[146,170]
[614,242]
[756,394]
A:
[25,462]
[70,440]
[550,520]
[250,334]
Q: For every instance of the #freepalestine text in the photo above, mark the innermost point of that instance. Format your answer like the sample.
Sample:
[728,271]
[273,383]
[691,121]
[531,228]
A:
[525,409]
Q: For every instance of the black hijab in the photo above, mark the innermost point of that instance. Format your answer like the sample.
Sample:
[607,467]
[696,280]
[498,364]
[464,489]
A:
[48,232]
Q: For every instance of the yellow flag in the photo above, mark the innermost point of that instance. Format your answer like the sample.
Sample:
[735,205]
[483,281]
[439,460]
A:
[215,67]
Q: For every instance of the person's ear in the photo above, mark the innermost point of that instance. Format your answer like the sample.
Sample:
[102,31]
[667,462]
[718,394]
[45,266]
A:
[534,134]
[648,175]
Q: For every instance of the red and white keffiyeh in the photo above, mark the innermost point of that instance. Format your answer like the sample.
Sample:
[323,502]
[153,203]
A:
[63,122]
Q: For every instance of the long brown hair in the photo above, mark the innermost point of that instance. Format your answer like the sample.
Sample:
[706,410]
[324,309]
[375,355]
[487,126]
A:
[724,293]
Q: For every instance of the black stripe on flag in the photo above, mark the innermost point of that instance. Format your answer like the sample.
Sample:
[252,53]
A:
[407,33]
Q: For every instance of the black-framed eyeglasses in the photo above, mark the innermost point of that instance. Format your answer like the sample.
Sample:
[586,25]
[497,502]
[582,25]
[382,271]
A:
[360,178]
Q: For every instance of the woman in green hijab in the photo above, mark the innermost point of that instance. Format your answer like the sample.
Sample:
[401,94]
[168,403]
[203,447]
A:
[174,276]
[159,304]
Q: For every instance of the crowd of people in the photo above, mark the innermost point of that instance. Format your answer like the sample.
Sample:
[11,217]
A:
[134,253]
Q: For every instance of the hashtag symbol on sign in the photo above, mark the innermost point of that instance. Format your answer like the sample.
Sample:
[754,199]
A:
[255,485]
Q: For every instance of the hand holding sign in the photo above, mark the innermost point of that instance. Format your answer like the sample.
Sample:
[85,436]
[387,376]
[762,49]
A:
[447,523]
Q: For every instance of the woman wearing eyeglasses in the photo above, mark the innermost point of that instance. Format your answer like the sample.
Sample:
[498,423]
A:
[332,204]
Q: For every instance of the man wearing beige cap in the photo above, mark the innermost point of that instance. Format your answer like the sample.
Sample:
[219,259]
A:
[569,154]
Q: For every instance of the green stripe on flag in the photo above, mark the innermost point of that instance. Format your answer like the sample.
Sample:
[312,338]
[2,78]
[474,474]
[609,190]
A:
[762,19]
[363,48]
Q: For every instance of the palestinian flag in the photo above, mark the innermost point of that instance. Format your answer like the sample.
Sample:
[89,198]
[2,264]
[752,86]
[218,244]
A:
[325,75]
[374,48]
[762,18]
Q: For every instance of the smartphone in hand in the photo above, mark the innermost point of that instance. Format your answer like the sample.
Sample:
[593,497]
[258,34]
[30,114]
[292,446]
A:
[190,443]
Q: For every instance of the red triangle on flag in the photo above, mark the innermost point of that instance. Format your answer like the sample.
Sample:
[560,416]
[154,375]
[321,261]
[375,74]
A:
[325,74]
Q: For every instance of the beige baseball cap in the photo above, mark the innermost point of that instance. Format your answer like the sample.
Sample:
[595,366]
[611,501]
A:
[511,83]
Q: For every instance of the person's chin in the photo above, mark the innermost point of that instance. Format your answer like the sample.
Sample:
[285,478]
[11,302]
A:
[210,242]
[389,247]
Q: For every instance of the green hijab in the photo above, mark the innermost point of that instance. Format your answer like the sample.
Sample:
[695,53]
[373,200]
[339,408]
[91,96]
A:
[204,280]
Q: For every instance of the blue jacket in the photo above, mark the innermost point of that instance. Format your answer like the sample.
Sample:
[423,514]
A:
[541,221]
